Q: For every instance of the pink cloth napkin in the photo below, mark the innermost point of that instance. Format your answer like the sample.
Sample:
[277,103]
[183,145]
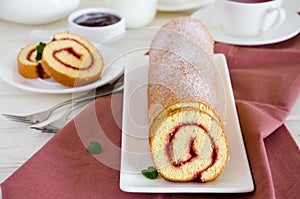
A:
[266,83]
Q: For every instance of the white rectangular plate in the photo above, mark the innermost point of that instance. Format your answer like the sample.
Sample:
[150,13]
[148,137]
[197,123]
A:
[135,155]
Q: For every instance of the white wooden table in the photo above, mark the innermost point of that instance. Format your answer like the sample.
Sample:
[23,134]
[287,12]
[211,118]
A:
[17,142]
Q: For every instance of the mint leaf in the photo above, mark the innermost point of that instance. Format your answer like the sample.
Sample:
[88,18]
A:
[94,147]
[39,50]
[150,173]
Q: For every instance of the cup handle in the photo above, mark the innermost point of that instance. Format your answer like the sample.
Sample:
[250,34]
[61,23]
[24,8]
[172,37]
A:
[281,15]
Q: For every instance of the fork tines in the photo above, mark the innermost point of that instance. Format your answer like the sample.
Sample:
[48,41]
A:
[17,118]
[45,130]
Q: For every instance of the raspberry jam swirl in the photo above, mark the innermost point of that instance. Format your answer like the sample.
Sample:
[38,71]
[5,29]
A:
[74,55]
[31,55]
[193,149]
[186,145]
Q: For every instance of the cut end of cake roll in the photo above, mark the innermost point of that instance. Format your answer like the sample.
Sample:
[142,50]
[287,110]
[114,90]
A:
[72,60]
[28,67]
[188,143]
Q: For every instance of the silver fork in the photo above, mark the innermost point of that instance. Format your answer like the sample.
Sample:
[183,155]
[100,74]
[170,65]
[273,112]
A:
[57,124]
[38,117]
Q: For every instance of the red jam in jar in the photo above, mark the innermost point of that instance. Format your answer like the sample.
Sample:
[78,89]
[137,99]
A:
[96,19]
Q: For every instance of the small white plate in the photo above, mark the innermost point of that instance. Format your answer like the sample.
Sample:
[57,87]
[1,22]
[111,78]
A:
[113,68]
[135,155]
[289,28]
[188,5]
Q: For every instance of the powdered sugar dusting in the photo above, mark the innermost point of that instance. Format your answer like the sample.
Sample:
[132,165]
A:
[181,66]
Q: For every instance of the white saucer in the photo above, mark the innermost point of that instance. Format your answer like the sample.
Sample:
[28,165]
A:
[188,5]
[289,28]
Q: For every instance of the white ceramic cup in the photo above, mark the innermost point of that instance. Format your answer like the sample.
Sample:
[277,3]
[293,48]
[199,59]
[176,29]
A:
[98,34]
[249,19]
[137,13]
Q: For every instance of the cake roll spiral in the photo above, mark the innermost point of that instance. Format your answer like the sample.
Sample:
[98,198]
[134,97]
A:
[28,66]
[186,134]
[72,60]
[188,143]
